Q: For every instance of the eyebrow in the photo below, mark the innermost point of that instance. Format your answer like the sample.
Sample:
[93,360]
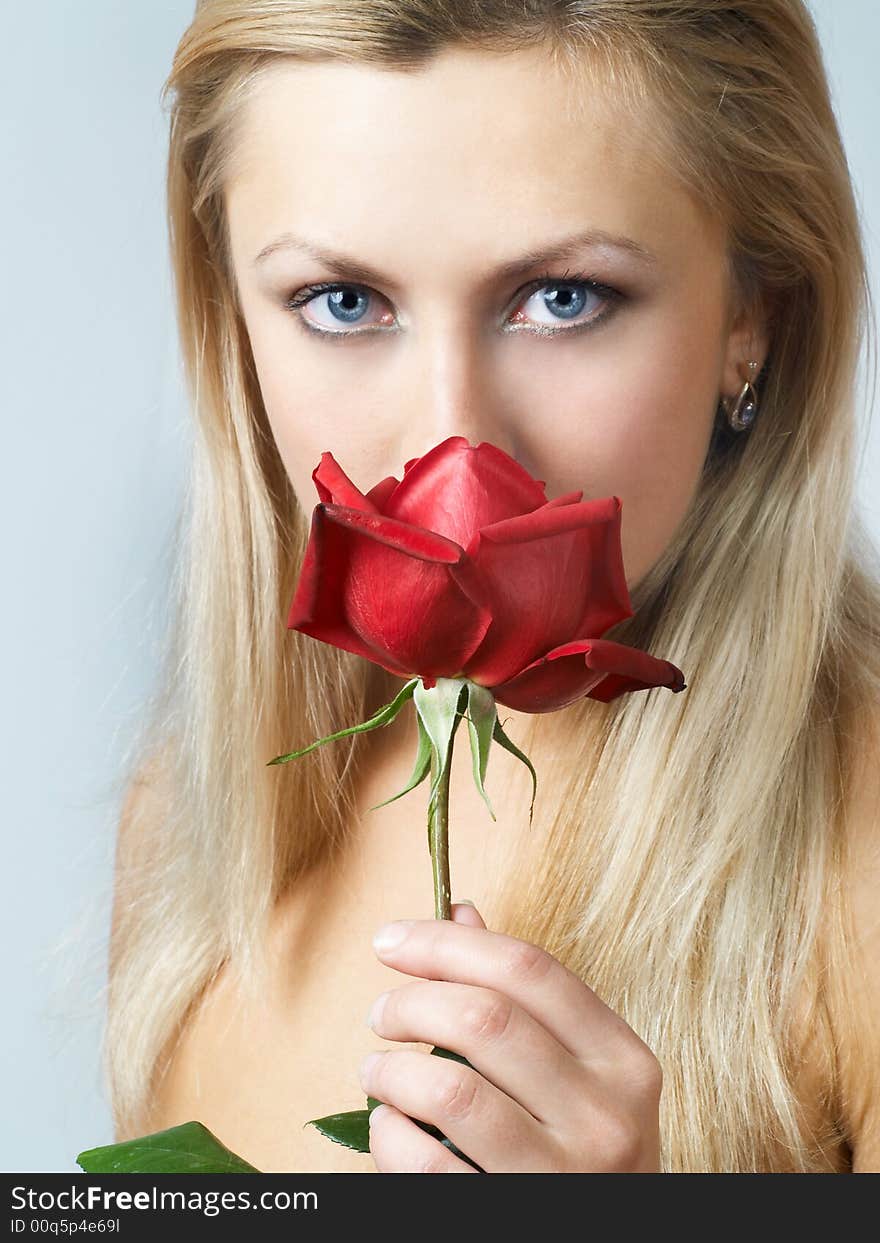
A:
[353,269]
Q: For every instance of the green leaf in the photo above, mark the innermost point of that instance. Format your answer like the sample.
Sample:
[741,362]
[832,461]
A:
[351,1129]
[482,716]
[187,1149]
[499,735]
[421,770]
[453,1057]
[438,709]
[384,716]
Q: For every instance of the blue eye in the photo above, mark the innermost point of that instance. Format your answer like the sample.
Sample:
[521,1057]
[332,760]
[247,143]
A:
[563,299]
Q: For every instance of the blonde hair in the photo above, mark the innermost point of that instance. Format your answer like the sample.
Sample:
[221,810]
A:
[687,852]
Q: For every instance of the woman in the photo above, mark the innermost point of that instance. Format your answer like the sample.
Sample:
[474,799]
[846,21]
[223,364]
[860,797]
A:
[672,970]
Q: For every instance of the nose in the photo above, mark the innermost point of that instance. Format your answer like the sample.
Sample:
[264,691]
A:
[454,389]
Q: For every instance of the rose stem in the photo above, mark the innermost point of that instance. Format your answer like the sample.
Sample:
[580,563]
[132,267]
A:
[438,835]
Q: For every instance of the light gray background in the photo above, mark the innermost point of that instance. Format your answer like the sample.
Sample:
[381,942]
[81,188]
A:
[96,443]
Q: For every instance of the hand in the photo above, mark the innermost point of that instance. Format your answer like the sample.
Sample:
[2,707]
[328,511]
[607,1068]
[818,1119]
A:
[560,1083]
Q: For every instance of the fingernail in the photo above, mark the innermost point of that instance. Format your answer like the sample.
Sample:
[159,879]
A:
[366,1068]
[466,902]
[377,1109]
[376,1010]
[390,936]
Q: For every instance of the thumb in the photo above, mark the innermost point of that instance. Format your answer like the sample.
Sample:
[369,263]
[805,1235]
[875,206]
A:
[465,912]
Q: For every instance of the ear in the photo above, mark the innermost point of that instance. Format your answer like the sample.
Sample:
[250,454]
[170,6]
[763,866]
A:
[748,339]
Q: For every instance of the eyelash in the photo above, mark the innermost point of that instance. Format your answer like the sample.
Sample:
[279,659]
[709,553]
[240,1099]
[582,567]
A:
[612,297]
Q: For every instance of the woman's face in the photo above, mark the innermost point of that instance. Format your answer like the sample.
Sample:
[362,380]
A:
[435,191]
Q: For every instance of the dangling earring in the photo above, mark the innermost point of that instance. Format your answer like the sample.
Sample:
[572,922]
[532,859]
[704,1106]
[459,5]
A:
[742,414]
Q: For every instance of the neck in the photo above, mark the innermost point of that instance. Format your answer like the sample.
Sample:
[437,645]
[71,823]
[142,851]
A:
[391,841]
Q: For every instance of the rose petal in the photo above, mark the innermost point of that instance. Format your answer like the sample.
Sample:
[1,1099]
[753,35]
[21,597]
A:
[551,574]
[335,487]
[597,668]
[405,598]
[381,491]
[455,489]
[567,498]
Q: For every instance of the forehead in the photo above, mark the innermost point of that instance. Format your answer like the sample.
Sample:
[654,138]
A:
[493,150]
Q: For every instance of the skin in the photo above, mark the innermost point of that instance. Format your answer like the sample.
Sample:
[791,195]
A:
[435,179]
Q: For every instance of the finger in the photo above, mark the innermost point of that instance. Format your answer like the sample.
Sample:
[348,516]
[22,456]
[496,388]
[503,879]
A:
[504,1043]
[400,1147]
[492,1129]
[443,949]
[466,913]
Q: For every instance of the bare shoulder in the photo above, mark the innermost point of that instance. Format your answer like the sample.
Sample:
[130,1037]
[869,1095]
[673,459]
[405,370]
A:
[255,1067]
[142,804]
[854,983]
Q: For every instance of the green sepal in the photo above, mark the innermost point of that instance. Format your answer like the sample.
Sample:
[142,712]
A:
[421,770]
[384,716]
[353,1129]
[186,1149]
[482,716]
[438,710]
[499,735]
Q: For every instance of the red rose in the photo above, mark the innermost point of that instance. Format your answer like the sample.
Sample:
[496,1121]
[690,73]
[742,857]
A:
[464,569]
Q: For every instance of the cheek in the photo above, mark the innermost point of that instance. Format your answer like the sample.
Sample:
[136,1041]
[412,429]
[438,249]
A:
[655,470]
[296,430]
[316,399]
[306,419]
[295,408]
[667,412]
[643,435]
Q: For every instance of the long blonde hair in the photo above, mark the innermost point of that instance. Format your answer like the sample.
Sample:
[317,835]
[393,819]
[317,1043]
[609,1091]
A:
[688,850]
